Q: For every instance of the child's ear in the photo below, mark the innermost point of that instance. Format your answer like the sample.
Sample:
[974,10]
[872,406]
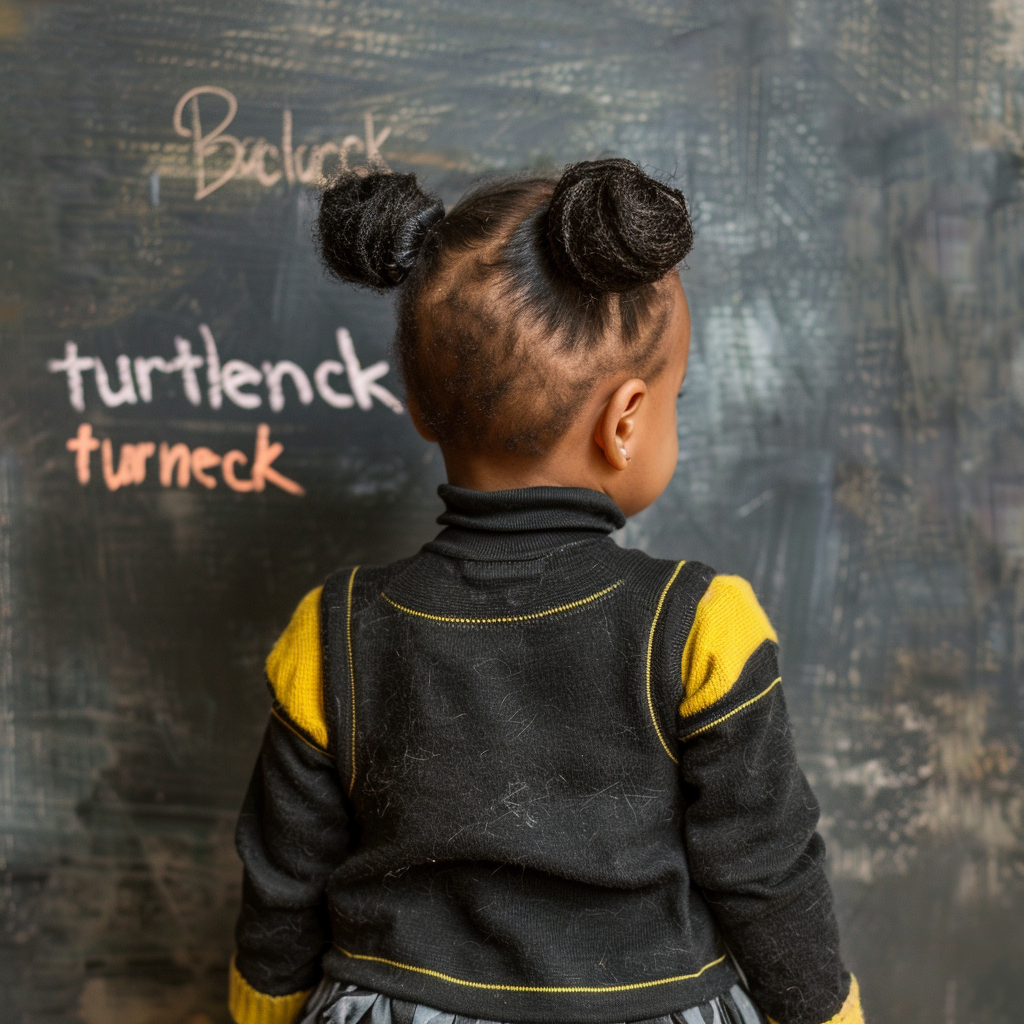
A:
[417,420]
[616,423]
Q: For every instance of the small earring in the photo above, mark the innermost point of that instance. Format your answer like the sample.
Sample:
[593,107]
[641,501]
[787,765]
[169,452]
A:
[622,448]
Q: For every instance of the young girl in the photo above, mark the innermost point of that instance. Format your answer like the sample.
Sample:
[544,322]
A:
[525,775]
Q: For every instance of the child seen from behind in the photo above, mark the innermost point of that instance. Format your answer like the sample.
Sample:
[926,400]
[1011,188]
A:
[526,775]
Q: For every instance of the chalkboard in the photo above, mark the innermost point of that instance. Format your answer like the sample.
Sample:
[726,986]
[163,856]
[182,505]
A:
[197,427]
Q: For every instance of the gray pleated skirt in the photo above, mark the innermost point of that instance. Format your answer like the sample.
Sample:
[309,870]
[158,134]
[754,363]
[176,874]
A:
[334,1002]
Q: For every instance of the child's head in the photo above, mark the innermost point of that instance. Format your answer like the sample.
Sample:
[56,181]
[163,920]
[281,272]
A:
[542,327]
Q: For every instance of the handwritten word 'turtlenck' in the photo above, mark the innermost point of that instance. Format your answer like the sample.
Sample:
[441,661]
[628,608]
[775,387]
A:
[248,158]
[235,380]
[178,464]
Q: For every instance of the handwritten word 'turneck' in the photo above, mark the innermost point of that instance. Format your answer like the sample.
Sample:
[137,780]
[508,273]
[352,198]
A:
[232,380]
[247,158]
[179,464]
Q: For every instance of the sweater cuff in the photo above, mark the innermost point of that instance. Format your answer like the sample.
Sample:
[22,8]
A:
[248,1006]
[850,1012]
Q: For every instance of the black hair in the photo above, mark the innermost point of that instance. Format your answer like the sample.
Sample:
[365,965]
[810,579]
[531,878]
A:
[514,304]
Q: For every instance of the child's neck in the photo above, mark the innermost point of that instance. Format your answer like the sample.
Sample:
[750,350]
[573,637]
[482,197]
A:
[480,473]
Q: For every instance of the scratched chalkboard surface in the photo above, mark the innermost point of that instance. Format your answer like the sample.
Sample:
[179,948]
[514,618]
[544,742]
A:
[197,426]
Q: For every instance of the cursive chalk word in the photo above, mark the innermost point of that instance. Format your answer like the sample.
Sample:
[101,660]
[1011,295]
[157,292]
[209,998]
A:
[178,464]
[233,380]
[247,158]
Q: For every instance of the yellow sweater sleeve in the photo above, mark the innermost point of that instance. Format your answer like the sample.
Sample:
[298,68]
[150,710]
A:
[850,1012]
[729,625]
[295,670]
[248,1006]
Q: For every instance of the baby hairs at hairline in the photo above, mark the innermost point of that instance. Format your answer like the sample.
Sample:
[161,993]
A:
[514,304]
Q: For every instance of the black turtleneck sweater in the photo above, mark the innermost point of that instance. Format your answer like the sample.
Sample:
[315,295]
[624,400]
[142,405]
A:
[529,776]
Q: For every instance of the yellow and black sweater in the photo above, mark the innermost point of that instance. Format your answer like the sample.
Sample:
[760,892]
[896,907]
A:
[529,776]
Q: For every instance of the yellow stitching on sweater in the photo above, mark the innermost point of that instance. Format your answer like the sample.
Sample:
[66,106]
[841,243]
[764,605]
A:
[735,711]
[559,990]
[650,650]
[459,621]
[351,676]
[291,728]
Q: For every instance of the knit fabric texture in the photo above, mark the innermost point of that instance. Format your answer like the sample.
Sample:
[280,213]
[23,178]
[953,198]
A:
[295,672]
[507,809]
[728,627]
[247,1004]
[850,1013]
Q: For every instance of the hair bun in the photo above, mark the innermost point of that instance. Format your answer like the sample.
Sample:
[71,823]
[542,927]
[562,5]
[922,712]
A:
[371,227]
[612,228]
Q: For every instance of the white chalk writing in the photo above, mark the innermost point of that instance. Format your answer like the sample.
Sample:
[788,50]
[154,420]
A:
[237,380]
[217,157]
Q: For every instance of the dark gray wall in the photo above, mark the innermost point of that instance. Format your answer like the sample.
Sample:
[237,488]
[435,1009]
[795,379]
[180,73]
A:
[851,431]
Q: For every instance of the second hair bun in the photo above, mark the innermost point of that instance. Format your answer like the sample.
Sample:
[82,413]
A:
[612,228]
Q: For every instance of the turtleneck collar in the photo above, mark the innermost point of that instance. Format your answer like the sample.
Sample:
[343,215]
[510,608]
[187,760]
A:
[520,524]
